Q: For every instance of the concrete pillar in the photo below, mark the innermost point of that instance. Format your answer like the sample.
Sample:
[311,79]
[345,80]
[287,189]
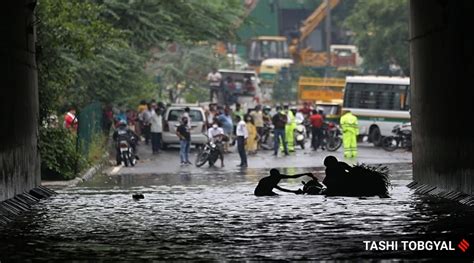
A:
[19,158]
[442,81]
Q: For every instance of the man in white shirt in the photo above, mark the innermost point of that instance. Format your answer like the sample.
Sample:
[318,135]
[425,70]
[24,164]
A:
[214,79]
[147,124]
[242,135]
[216,135]
[156,128]
[186,112]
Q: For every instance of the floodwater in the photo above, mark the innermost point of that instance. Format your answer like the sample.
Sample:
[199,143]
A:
[210,216]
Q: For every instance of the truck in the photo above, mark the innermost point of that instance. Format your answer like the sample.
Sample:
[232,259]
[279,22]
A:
[247,90]
[326,93]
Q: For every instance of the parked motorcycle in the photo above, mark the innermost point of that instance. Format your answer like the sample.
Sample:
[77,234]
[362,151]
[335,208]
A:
[332,137]
[307,125]
[300,134]
[127,154]
[400,139]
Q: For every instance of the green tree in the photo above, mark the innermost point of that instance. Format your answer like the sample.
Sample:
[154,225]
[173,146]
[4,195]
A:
[151,21]
[68,31]
[381,33]
[183,70]
[98,50]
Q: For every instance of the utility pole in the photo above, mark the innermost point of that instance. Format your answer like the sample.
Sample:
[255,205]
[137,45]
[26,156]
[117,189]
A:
[328,32]
[233,55]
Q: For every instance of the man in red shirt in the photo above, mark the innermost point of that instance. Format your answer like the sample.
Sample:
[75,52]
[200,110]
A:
[306,110]
[316,120]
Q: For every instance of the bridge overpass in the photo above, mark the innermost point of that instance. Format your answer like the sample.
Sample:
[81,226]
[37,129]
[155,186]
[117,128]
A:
[441,54]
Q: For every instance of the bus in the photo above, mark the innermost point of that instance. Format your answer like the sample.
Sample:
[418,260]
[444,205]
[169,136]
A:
[379,102]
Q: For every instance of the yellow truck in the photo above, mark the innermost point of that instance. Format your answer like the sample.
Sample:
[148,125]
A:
[321,89]
[326,93]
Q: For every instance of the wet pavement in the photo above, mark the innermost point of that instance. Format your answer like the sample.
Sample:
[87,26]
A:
[211,214]
[169,162]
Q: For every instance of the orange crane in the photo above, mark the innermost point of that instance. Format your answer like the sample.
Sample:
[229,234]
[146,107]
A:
[304,55]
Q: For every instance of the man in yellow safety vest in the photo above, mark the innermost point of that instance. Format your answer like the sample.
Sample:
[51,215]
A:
[350,130]
[289,129]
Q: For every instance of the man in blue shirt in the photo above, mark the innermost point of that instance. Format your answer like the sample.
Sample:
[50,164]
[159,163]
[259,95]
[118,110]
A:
[225,119]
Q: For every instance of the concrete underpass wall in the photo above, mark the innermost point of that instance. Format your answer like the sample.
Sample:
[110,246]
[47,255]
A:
[442,79]
[19,159]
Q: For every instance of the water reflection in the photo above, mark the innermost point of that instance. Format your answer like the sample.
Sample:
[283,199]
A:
[214,216]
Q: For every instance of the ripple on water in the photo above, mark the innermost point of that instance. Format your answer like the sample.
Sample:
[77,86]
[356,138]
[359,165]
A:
[218,221]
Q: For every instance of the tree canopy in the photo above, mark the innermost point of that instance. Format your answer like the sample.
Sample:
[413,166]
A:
[97,49]
[151,21]
[381,33]
[183,71]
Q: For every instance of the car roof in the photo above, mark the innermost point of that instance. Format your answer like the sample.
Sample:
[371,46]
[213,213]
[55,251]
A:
[378,80]
[250,72]
[182,108]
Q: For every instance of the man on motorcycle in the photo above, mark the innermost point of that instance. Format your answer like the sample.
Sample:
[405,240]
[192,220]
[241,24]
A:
[216,134]
[124,133]
[267,117]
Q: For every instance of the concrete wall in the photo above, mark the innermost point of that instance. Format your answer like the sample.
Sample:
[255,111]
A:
[19,159]
[442,79]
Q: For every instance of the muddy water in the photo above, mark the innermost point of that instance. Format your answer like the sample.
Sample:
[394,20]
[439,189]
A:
[214,216]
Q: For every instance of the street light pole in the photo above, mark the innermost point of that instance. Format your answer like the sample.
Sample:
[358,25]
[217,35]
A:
[328,32]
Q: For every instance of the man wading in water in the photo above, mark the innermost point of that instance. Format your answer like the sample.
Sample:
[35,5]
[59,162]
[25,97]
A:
[266,184]
[358,180]
[341,180]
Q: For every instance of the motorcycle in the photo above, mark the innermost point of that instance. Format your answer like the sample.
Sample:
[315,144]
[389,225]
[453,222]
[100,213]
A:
[313,187]
[307,125]
[266,140]
[209,153]
[127,154]
[300,134]
[400,139]
[332,137]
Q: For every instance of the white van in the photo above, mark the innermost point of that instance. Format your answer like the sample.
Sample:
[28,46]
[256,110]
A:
[172,119]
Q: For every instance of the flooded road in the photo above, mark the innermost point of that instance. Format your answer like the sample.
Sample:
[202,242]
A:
[213,216]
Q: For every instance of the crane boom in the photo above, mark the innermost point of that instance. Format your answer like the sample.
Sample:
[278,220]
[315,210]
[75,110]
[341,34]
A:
[310,24]
[305,55]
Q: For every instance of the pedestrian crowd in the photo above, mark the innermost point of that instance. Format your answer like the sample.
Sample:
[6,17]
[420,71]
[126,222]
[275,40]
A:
[247,129]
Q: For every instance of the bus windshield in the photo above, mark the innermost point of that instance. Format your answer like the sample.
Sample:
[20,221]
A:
[377,96]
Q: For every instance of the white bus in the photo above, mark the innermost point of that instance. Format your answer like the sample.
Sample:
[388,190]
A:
[379,103]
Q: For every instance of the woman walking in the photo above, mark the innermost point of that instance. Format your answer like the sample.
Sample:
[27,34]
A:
[251,145]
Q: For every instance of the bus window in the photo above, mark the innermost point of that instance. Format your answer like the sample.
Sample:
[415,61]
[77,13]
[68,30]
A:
[407,105]
[254,50]
[274,50]
[375,96]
